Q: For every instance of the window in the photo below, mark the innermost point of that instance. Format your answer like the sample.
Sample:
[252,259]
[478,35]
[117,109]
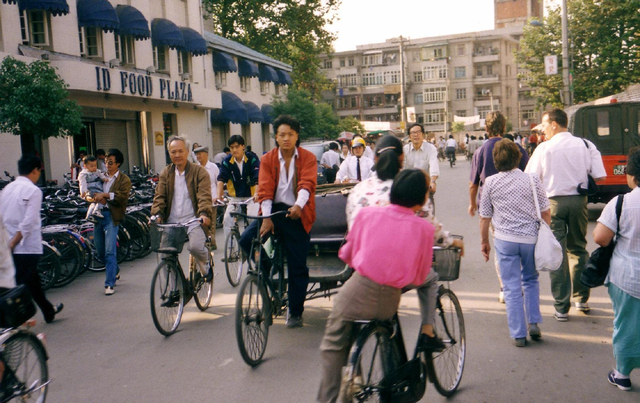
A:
[125,49]
[434,116]
[90,42]
[347,102]
[417,76]
[160,59]
[479,71]
[508,113]
[347,80]
[352,62]
[342,63]
[435,94]
[461,93]
[507,70]
[420,118]
[264,87]
[460,72]
[34,27]
[328,64]
[415,56]
[432,53]
[370,60]
[509,92]
[430,73]
[461,113]
[184,63]
[392,77]
[372,101]
[490,69]
[603,123]
[483,110]
[277,88]
[245,83]
[460,50]
[418,98]
[372,79]
[221,79]
[528,114]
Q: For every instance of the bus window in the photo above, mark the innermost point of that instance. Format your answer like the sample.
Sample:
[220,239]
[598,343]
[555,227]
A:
[603,123]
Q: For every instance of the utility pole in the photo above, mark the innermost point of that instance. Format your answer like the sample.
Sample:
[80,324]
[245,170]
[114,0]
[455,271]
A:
[403,109]
[566,94]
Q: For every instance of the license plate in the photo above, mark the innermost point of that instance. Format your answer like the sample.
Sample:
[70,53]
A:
[619,169]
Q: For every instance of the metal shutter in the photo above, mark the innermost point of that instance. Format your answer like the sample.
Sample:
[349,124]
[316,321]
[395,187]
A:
[113,134]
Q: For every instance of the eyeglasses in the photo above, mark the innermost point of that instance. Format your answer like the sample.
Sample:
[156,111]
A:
[110,162]
[415,132]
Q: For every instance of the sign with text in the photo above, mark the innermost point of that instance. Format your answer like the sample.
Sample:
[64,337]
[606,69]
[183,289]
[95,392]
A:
[143,85]
[551,65]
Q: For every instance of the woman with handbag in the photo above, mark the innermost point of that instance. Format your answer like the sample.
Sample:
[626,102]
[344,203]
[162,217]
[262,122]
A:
[508,203]
[623,280]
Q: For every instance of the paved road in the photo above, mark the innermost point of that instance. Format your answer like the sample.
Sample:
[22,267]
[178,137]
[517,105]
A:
[106,349]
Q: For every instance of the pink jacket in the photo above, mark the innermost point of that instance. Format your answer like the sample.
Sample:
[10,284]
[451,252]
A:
[390,245]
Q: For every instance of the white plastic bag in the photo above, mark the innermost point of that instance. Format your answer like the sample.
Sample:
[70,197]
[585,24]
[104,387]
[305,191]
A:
[548,253]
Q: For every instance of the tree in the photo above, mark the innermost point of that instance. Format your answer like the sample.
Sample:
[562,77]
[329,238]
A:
[604,47]
[292,31]
[34,102]
[318,120]
[351,124]
[457,127]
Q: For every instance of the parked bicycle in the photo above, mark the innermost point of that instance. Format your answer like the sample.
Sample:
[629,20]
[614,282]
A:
[235,261]
[170,290]
[378,368]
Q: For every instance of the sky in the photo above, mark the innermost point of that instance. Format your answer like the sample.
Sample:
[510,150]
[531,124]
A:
[372,21]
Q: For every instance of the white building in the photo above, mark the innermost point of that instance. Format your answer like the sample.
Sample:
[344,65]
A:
[141,70]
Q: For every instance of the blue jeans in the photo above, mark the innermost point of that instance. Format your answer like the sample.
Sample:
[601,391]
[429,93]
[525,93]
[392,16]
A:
[105,238]
[518,272]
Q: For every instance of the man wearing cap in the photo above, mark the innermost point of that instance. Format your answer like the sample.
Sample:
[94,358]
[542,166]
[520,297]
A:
[202,155]
[356,167]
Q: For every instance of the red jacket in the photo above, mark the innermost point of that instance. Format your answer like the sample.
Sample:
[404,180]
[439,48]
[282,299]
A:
[306,177]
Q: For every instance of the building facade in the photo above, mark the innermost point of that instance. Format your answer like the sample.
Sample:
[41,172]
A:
[141,70]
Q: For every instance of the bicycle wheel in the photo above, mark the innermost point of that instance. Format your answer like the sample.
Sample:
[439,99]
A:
[167,297]
[72,256]
[252,312]
[446,367]
[367,366]
[48,266]
[139,237]
[95,264]
[26,371]
[124,244]
[235,260]
[202,290]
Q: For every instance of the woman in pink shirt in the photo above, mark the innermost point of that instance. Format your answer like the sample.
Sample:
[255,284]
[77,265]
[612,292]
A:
[375,288]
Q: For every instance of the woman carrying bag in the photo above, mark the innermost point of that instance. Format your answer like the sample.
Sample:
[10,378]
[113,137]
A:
[623,280]
[507,202]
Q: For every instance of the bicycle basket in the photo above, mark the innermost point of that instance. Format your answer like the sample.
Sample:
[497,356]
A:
[167,238]
[446,262]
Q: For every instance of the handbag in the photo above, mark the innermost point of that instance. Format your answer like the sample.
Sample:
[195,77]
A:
[16,307]
[592,186]
[548,252]
[597,268]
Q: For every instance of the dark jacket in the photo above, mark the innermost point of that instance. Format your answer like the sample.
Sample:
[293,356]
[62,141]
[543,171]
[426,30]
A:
[240,184]
[121,188]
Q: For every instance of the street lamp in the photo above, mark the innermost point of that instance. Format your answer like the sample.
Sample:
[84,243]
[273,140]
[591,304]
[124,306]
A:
[487,91]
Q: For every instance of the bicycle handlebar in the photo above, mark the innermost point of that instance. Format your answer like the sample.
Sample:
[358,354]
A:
[153,221]
[260,217]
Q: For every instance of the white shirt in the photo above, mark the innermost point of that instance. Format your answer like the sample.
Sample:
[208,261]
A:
[369,153]
[425,158]
[7,270]
[284,191]
[330,158]
[106,186]
[213,174]
[20,204]
[102,166]
[181,207]
[563,163]
[451,143]
[218,158]
[348,168]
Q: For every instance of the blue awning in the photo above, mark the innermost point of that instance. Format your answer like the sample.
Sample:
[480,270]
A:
[285,78]
[247,68]
[224,63]
[255,114]
[233,110]
[99,14]
[268,73]
[166,33]
[132,22]
[267,113]
[56,7]
[10,1]
[193,42]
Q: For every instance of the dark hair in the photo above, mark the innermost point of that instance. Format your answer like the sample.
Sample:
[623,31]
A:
[27,163]
[409,188]
[414,125]
[236,138]
[506,155]
[451,136]
[509,136]
[289,121]
[89,158]
[633,164]
[226,150]
[557,115]
[249,149]
[333,146]
[388,151]
[473,137]
[100,151]
[495,123]
[117,154]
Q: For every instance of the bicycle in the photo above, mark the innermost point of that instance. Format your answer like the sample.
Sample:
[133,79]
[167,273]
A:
[378,367]
[234,258]
[451,155]
[170,291]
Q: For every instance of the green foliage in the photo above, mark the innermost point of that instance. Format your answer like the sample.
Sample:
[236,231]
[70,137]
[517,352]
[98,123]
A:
[292,31]
[34,101]
[604,44]
[318,120]
[351,124]
[509,127]
[457,127]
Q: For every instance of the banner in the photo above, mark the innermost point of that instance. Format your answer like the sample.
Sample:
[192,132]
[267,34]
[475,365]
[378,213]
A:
[468,121]
[411,114]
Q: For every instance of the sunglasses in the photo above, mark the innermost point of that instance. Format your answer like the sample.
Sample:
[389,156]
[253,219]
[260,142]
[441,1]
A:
[110,162]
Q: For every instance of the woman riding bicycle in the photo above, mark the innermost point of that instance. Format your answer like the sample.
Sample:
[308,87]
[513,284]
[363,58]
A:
[374,290]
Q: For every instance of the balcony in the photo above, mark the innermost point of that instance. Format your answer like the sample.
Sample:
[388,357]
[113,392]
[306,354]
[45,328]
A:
[486,79]
[483,57]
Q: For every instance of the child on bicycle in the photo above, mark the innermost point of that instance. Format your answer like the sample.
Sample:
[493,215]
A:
[375,288]
[90,180]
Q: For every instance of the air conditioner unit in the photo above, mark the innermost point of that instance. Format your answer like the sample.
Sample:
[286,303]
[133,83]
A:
[114,63]
[185,76]
[218,86]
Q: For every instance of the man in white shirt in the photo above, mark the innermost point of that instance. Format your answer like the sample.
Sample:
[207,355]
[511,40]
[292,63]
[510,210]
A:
[356,168]
[563,163]
[218,158]
[20,204]
[331,162]
[421,154]
[102,160]
[451,148]
[202,155]
[370,150]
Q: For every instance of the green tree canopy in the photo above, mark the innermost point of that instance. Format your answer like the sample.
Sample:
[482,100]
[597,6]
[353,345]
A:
[292,31]
[351,124]
[457,127]
[318,120]
[604,37]
[34,101]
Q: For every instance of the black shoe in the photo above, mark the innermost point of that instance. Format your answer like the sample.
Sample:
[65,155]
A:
[209,277]
[56,310]
[623,384]
[430,344]
[294,321]
[172,300]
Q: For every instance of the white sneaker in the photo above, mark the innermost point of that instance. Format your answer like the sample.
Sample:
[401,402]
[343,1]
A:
[109,291]
[501,297]
[561,317]
[582,307]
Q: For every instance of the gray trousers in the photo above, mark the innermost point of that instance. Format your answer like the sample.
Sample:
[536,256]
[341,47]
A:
[427,296]
[358,299]
[197,249]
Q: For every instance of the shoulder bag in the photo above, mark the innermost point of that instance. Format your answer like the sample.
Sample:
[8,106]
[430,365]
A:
[548,253]
[597,268]
[592,186]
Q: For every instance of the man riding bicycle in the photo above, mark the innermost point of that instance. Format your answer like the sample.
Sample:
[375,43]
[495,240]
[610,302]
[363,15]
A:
[184,192]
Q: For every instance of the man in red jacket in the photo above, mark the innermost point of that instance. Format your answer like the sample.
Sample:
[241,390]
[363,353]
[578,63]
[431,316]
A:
[287,181]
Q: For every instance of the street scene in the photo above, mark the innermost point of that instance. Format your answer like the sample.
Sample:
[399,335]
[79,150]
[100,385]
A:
[318,201]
